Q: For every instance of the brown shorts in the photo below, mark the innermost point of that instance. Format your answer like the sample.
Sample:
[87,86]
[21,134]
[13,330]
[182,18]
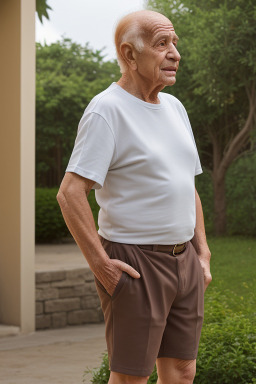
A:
[158,315]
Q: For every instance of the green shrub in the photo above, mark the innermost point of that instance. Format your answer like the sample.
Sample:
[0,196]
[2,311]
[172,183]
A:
[50,225]
[241,192]
[227,351]
[101,374]
[240,197]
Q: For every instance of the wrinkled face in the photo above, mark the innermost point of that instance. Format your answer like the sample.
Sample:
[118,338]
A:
[159,60]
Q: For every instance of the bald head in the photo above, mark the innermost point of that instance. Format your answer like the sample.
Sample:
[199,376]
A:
[134,28]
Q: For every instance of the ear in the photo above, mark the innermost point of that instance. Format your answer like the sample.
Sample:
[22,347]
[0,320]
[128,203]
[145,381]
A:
[128,55]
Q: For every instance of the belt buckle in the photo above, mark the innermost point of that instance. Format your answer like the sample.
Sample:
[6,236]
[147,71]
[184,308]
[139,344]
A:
[173,251]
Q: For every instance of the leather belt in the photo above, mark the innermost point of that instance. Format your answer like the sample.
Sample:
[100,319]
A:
[173,250]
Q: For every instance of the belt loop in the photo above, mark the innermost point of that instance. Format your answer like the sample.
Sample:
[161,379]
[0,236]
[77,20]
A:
[155,247]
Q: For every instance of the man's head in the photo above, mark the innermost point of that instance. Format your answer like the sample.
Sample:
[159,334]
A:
[146,42]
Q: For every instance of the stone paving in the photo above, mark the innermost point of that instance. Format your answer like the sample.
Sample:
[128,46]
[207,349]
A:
[52,356]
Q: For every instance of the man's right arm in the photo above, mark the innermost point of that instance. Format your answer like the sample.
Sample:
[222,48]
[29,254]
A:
[76,211]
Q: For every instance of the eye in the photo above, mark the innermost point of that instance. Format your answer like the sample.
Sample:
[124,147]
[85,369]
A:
[162,43]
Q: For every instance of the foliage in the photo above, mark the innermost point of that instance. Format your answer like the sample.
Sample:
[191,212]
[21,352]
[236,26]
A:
[205,190]
[42,9]
[101,374]
[227,351]
[68,77]
[241,192]
[94,206]
[50,225]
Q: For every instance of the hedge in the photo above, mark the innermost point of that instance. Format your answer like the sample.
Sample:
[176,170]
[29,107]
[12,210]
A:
[50,225]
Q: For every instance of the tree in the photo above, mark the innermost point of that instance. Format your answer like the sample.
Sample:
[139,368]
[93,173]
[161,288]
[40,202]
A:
[42,9]
[216,81]
[68,76]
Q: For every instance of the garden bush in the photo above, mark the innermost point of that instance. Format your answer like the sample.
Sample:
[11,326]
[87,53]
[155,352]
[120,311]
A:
[241,192]
[240,197]
[227,351]
[50,225]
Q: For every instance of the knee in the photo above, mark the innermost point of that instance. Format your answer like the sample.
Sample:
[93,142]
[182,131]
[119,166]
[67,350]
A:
[186,372]
[176,371]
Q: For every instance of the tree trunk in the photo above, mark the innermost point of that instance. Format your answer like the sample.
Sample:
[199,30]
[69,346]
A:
[223,159]
[219,192]
[220,220]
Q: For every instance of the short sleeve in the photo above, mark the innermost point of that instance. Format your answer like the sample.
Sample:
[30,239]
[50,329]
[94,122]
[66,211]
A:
[198,167]
[93,150]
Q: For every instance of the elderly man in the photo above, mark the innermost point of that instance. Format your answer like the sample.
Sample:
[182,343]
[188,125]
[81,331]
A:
[150,257]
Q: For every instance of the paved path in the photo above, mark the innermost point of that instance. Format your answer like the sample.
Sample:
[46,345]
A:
[58,257]
[53,356]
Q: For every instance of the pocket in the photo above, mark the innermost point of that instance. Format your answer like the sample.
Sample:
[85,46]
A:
[98,283]
[118,287]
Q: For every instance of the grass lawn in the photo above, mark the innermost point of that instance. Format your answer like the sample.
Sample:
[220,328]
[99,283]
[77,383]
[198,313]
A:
[233,266]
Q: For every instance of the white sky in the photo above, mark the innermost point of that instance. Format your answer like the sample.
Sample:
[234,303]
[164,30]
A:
[84,21]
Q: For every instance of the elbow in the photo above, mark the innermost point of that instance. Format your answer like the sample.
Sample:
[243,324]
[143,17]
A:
[66,195]
[60,197]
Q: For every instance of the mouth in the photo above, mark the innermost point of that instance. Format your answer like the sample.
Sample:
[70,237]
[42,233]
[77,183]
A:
[170,71]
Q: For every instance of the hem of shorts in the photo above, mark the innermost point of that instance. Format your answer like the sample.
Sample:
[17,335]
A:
[132,372]
[180,355]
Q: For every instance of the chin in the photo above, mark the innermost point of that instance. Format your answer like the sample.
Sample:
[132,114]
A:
[170,82]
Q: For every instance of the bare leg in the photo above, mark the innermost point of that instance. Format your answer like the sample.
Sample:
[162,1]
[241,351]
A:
[175,371]
[119,378]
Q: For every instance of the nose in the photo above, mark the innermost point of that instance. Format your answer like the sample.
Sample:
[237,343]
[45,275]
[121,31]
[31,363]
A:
[173,53]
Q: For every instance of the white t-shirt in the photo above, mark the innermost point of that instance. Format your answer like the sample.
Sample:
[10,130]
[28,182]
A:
[143,159]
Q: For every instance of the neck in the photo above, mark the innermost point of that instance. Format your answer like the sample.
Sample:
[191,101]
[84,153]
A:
[140,89]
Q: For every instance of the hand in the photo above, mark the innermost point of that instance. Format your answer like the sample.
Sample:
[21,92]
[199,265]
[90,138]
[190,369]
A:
[110,273]
[205,264]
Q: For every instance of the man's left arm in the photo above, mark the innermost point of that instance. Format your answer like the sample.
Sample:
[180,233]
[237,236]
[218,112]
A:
[200,243]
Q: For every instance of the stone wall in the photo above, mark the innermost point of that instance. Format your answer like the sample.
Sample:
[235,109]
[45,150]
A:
[66,297]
